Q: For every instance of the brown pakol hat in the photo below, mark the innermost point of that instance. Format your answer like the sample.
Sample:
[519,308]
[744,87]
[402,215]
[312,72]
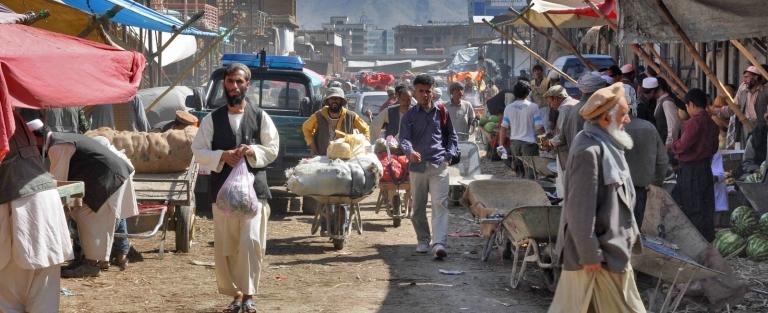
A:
[602,101]
[186,118]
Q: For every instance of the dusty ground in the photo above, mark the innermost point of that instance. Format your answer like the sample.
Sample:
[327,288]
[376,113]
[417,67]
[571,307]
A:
[376,272]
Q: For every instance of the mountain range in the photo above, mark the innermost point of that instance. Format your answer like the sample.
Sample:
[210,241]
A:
[384,14]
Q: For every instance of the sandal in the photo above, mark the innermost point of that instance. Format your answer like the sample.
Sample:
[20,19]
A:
[249,306]
[233,307]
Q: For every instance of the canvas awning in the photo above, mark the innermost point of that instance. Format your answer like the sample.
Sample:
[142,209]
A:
[63,18]
[565,13]
[135,14]
[702,20]
[40,69]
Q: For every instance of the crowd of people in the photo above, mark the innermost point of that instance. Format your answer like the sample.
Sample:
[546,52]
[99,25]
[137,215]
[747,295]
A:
[624,133]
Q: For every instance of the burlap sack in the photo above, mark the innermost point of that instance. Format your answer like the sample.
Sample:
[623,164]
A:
[166,152]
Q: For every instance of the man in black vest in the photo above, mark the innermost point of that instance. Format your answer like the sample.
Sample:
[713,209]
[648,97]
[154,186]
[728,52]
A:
[323,127]
[109,192]
[389,118]
[34,239]
[237,131]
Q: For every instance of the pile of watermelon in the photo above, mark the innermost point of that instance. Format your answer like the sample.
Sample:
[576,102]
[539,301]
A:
[490,124]
[748,233]
[757,176]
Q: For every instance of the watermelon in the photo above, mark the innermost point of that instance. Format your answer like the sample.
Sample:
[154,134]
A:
[728,242]
[490,126]
[744,221]
[762,227]
[494,118]
[757,248]
[483,121]
[722,232]
[755,177]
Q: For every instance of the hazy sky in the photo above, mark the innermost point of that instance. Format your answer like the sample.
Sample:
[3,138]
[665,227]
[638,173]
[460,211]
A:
[383,13]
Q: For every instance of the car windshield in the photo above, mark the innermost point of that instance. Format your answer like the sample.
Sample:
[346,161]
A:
[271,95]
[575,69]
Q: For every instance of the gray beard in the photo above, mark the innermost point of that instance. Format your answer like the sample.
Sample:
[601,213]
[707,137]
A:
[620,136]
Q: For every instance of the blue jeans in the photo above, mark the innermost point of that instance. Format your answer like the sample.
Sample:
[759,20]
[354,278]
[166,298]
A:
[120,245]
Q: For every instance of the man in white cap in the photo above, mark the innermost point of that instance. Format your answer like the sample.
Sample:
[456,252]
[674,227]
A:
[34,238]
[628,75]
[109,192]
[598,233]
[668,122]
[752,99]
[229,135]
[323,126]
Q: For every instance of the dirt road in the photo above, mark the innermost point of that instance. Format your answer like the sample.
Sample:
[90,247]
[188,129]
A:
[376,272]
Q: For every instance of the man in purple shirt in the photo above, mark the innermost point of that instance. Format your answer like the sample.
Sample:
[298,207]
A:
[428,139]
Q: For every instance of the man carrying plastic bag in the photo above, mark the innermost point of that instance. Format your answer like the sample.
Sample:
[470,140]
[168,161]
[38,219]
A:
[238,135]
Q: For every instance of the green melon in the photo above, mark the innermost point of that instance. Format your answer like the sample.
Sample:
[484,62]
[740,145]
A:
[744,221]
[728,242]
[762,227]
[483,121]
[490,126]
[722,232]
[757,248]
[494,118]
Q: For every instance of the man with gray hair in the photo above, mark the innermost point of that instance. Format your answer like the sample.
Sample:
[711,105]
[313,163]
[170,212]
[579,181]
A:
[598,232]
[461,111]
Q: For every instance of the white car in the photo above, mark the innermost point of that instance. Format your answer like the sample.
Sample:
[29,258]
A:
[368,101]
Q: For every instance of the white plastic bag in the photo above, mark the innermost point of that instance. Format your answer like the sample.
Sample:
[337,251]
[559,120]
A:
[237,194]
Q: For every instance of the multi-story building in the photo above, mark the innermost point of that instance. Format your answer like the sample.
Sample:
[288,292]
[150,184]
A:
[379,42]
[323,52]
[430,38]
[353,34]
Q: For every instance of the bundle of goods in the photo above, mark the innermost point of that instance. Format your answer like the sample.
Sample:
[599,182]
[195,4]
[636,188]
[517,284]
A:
[347,146]
[381,145]
[166,152]
[749,233]
[322,176]
[377,81]
[758,175]
[490,124]
[397,171]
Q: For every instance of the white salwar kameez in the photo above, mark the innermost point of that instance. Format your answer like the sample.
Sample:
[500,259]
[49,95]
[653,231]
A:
[96,230]
[240,242]
[34,242]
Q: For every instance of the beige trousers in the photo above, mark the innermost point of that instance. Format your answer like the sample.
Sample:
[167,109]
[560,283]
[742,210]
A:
[240,244]
[32,291]
[601,292]
[96,231]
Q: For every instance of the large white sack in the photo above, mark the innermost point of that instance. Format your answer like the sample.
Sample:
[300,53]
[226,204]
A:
[320,176]
[324,177]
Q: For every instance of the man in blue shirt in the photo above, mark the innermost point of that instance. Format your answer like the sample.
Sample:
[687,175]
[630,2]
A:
[428,139]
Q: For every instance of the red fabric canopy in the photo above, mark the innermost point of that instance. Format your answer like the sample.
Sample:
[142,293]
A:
[42,69]
[608,7]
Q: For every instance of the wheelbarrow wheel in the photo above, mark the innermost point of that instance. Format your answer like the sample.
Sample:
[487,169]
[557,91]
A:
[185,220]
[396,210]
[338,244]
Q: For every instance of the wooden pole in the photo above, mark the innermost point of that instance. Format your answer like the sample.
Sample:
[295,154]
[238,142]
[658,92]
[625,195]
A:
[666,67]
[751,57]
[703,64]
[514,41]
[677,90]
[572,47]
[176,33]
[189,68]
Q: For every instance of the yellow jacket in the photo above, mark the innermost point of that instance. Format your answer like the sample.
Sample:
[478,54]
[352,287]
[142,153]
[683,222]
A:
[310,126]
